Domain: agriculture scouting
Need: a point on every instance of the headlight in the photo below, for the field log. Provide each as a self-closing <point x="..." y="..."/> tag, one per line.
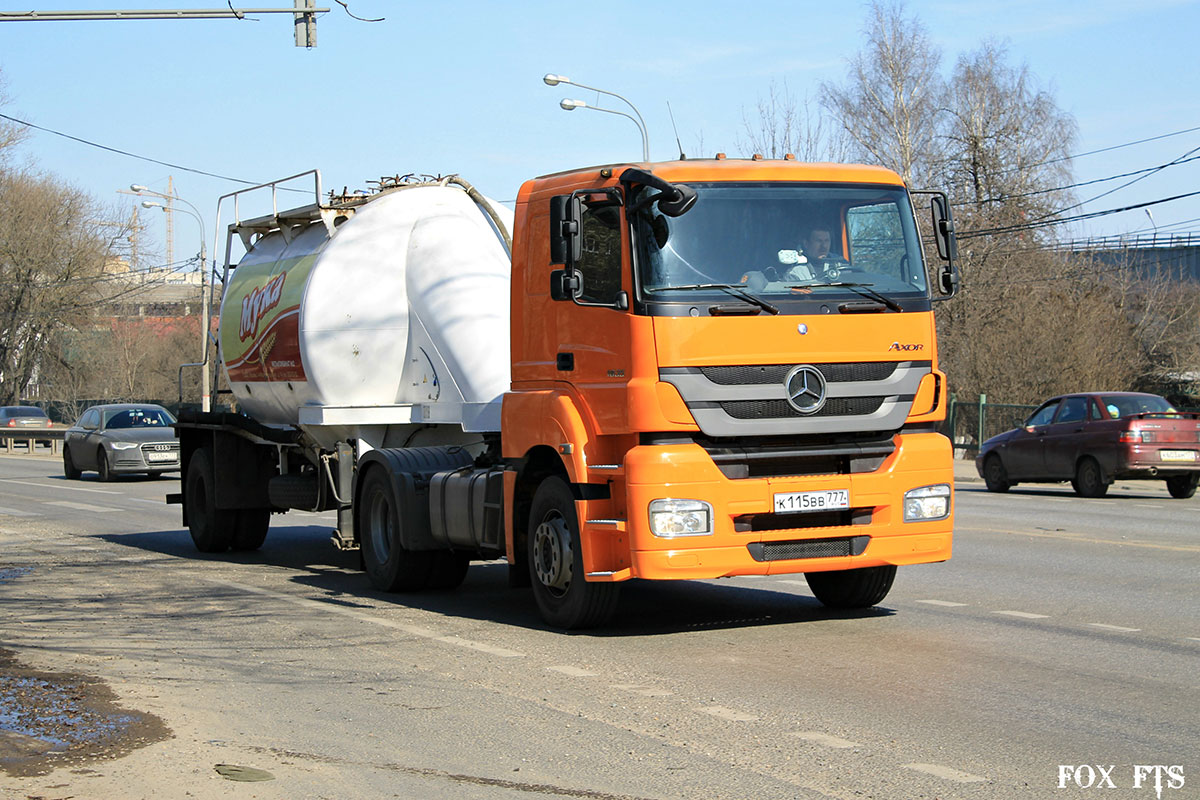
<point x="124" y="445"/>
<point x="670" y="518"/>
<point x="927" y="502"/>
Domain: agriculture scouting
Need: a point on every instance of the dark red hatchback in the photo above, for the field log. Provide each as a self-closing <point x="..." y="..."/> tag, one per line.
<point x="1092" y="439"/>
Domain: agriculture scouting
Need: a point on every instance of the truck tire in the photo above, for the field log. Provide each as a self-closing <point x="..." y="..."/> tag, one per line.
<point x="449" y="569"/>
<point x="211" y="528"/>
<point x="1182" y="487"/>
<point x="852" y="588"/>
<point x="995" y="475"/>
<point x="389" y="566"/>
<point x="250" y="528"/>
<point x="1089" y="480"/>
<point x="563" y="597"/>
<point x="71" y="471"/>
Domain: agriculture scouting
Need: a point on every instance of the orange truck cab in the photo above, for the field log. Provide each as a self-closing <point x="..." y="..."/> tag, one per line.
<point x="723" y="368"/>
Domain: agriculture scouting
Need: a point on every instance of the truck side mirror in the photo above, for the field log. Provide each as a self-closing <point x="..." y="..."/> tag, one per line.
<point x="566" y="213"/>
<point x="947" y="244"/>
<point x="564" y="284"/>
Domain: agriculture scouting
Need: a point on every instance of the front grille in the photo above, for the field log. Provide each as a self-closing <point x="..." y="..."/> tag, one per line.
<point x="808" y="548"/>
<point x="758" y="523"/>
<point x="777" y="409"/>
<point x="158" y="453"/>
<point x="776" y="373"/>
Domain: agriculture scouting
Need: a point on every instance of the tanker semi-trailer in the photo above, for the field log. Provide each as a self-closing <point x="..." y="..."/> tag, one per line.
<point x="680" y="370"/>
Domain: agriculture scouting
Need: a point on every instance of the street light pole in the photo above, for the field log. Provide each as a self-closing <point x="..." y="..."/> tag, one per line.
<point x="205" y="294"/>
<point x="551" y="79"/>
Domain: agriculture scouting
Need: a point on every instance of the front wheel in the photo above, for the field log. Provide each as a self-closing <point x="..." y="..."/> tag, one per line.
<point x="852" y="588"/>
<point x="250" y="529"/>
<point x="564" y="598"/>
<point x="995" y="475"/>
<point x="103" y="467"/>
<point x="69" y="469"/>
<point x="1089" y="480"/>
<point x="1182" y="487"/>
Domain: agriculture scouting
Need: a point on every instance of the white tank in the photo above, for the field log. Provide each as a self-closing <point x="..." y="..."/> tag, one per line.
<point x="403" y="306"/>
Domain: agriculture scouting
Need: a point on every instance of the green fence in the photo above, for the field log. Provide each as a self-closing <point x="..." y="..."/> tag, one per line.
<point x="970" y="422"/>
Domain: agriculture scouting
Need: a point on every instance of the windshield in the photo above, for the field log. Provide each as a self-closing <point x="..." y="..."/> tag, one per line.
<point x="793" y="246"/>
<point x="140" y="418"/>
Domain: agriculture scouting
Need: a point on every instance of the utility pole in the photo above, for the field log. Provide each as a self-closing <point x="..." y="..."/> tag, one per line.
<point x="304" y="13"/>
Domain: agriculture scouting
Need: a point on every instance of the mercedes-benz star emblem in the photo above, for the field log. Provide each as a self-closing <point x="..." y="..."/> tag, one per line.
<point x="805" y="386"/>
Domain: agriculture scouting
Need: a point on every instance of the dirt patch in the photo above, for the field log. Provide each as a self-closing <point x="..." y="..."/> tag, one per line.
<point x="55" y="719"/>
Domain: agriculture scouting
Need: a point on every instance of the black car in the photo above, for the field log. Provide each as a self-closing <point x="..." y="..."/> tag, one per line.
<point x="121" y="438"/>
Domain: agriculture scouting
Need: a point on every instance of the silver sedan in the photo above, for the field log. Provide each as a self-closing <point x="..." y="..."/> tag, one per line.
<point x="121" y="438"/>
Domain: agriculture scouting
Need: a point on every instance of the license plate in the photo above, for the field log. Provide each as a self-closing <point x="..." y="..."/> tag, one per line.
<point x="160" y="456"/>
<point x="824" y="500"/>
<point x="1177" y="455"/>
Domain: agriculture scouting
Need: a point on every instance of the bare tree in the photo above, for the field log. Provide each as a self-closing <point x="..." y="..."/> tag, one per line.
<point x="782" y="125"/>
<point x="53" y="253"/>
<point x="888" y="108"/>
<point x="11" y="134"/>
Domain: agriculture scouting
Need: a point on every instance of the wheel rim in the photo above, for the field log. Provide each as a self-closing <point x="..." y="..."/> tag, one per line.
<point x="1091" y="476"/>
<point x="380" y="522"/>
<point x="552" y="555"/>
<point x="995" y="471"/>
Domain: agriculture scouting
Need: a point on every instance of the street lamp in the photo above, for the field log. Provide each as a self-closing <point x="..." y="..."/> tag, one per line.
<point x="205" y="292"/>
<point x="551" y="79"/>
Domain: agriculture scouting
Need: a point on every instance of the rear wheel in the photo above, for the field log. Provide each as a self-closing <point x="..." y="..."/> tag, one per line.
<point x="250" y="528"/>
<point x="564" y="598"/>
<point x="1089" y="480"/>
<point x="852" y="588"/>
<point x="212" y="529"/>
<point x="995" y="475"/>
<point x="69" y="468"/>
<point x="1182" y="486"/>
<point x="389" y="566"/>
<point x="102" y="466"/>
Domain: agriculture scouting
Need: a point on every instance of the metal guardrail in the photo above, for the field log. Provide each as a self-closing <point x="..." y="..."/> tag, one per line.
<point x="9" y="440"/>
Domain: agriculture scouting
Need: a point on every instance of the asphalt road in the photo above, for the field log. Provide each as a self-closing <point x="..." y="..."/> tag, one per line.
<point x="1063" y="632"/>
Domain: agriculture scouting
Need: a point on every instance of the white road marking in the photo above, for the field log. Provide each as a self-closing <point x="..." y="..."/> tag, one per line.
<point x="946" y="603"/>
<point x="12" y="512"/>
<point x="574" y="672"/>
<point x="1145" y="505"/>
<point x="824" y="739"/>
<point x="413" y="630"/>
<point x="728" y="713"/>
<point x="948" y="773"/>
<point x="80" y="506"/>
<point x="161" y="503"/>
<point x="1022" y="614"/>
<point x="1113" y="627"/>
<point x="59" y="486"/>
<point x="794" y="583"/>
<point x="1194" y="638"/>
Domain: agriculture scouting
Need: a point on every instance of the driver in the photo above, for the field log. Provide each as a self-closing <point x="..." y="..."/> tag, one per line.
<point x="816" y="247"/>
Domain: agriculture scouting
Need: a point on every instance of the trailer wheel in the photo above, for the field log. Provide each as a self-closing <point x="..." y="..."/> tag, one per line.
<point x="211" y="528"/>
<point x="564" y="598"/>
<point x="1182" y="487"/>
<point x="250" y="528"/>
<point x="1089" y="480"/>
<point x="852" y="588"/>
<point x="389" y="566"/>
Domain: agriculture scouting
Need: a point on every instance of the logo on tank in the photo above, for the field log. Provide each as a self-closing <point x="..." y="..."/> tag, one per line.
<point x="257" y="304"/>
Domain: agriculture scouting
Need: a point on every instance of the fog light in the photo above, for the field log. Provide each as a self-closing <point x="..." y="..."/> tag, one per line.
<point x="927" y="502"/>
<point x="670" y="518"/>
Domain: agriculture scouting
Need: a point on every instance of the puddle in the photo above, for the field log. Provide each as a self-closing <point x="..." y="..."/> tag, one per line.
<point x="54" y="719"/>
<point x="9" y="573"/>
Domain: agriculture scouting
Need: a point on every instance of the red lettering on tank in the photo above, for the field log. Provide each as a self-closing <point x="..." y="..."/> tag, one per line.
<point x="257" y="304"/>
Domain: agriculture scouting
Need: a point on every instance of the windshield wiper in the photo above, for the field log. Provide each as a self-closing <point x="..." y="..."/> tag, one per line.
<point x="738" y="290"/>
<point x="865" y="290"/>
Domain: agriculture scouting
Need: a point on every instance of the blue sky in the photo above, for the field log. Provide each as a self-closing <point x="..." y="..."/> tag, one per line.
<point x="455" y="87"/>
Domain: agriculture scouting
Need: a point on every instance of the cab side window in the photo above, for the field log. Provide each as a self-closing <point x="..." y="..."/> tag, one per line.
<point x="600" y="264"/>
